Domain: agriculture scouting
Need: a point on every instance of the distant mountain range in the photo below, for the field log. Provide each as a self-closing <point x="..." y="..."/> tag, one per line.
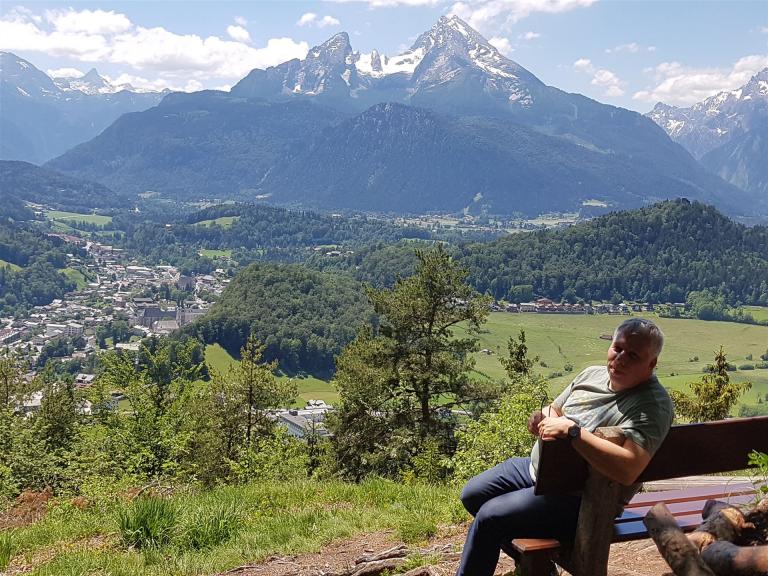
<point x="451" y="124"/>
<point x="727" y="132"/>
<point x="42" y="117"/>
<point x="22" y="182"/>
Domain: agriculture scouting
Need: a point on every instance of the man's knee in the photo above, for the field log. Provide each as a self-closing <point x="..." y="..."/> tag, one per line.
<point x="471" y="496"/>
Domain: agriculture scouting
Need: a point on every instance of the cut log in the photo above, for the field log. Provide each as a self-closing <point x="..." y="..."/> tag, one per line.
<point x="376" y="567"/>
<point x="681" y="555"/>
<point x="721" y="522"/>
<point x="728" y="559"/>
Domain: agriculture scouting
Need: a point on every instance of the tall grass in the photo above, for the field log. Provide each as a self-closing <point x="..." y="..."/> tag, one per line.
<point x="6" y="548"/>
<point x="205" y="528"/>
<point x="210" y="532"/>
<point x="148" y="523"/>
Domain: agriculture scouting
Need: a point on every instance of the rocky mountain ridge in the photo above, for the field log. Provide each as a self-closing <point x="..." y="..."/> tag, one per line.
<point x="42" y="117"/>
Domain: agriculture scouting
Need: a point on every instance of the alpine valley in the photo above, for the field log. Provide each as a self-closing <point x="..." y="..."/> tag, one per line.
<point x="449" y="125"/>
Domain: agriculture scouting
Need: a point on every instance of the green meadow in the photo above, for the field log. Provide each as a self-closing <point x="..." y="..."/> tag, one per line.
<point x="13" y="267"/>
<point x="310" y="387"/>
<point x="224" y="221"/>
<point x="77" y="277"/>
<point x="213" y="254"/>
<point x="575" y="339"/>
<point x="74" y="217"/>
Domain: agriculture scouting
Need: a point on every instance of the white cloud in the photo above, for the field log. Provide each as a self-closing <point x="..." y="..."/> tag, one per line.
<point x="681" y="85"/>
<point x="312" y="19"/>
<point x="601" y="77"/>
<point x="239" y="34"/>
<point x="632" y="48"/>
<point x="88" y="21"/>
<point x="64" y="73"/>
<point x="178" y="61"/>
<point x="501" y="14"/>
<point x="502" y="45"/>
<point x="529" y="36"/>
<point x="583" y="64"/>
<point x="382" y="3"/>
<point x="145" y="84"/>
<point x="240" y="21"/>
<point x="764" y="29"/>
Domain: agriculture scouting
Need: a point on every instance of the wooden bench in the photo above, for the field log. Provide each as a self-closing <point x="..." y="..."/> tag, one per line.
<point x="688" y="450"/>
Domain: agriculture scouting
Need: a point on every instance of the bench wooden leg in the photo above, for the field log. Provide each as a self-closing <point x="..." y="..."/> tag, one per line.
<point x="535" y="564"/>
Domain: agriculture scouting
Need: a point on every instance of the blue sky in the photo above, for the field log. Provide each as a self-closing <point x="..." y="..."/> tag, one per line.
<point x="626" y="53"/>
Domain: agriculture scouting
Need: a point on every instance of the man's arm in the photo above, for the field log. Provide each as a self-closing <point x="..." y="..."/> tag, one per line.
<point x="622" y="464"/>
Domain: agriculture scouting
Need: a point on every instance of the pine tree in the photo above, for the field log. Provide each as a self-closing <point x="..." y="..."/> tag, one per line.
<point x="713" y="396"/>
<point x="400" y="383"/>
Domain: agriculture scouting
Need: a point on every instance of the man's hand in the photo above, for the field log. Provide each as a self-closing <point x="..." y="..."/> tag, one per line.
<point x="533" y="422"/>
<point x="552" y="428"/>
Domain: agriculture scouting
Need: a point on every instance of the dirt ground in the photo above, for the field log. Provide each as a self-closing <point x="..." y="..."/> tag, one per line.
<point x="627" y="559"/>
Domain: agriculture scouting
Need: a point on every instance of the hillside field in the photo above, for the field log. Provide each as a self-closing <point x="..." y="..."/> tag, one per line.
<point x="573" y="338"/>
<point x="310" y="388"/>
<point x="97" y="219"/>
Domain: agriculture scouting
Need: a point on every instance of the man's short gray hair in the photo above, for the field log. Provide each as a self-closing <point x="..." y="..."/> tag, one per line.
<point x="646" y="330"/>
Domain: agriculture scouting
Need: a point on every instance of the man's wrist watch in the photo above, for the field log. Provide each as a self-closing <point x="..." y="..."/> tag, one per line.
<point x="574" y="432"/>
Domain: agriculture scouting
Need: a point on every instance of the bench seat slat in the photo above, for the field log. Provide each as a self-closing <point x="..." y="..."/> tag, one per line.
<point x="636" y="530"/>
<point x="680" y="508"/>
<point x="717" y="492"/>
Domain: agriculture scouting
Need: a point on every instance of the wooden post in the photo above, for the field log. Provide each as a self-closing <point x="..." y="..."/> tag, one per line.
<point x="600" y="503"/>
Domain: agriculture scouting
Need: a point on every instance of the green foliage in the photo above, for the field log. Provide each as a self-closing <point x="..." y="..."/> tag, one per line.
<point x="150" y="522"/>
<point x="278" y="456"/>
<point x="500" y="434"/>
<point x="760" y="461"/>
<point x="517" y="363"/>
<point x="399" y="383"/>
<point x="713" y="396"/>
<point x="659" y="253"/>
<point x="302" y="317"/>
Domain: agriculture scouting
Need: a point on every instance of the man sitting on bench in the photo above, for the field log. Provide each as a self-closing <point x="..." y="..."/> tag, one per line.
<point x="624" y="393"/>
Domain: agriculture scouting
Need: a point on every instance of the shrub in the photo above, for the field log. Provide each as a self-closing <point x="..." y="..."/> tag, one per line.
<point x="149" y="522"/>
<point x="498" y="435"/>
<point x="205" y="528"/>
<point x="761" y="365"/>
<point x="568" y="367"/>
<point x="746" y="367"/>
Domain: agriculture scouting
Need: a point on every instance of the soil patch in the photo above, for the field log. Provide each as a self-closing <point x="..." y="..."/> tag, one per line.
<point x="638" y="558"/>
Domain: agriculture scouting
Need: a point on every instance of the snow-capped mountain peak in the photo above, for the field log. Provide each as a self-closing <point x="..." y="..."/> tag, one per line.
<point x="714" y="121"/>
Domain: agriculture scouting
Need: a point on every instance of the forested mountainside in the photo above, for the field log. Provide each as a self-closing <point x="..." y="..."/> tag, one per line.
<point x="303" y="317"/>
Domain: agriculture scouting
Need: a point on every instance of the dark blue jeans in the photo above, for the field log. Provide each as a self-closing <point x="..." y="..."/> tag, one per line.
<point x="504" y="506"/>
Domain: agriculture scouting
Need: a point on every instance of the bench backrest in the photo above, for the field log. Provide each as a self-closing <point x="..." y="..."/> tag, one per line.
<point x="689" y="449"/>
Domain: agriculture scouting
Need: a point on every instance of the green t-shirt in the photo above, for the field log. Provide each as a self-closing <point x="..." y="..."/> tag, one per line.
<point x="644" y="413"/>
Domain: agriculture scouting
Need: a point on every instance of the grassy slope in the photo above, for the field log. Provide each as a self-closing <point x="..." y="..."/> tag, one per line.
<point x="274" y="518"/>
<point x="11" y="265"/>
<point x="310" y="388"/>
<point x="558" y="339"/>
<point x="77" y="217"/>
<point x="224" y="221"/>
